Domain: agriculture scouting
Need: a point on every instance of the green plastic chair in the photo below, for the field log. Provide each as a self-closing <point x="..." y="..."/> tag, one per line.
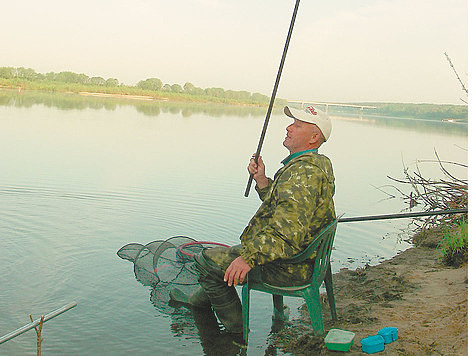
<point x="323" y="244"/>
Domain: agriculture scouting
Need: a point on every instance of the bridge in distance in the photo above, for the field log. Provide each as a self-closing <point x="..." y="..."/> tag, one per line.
<point x="327" y="105"/>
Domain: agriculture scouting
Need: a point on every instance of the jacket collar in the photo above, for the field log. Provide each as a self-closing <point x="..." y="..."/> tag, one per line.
<point x="296" y="154"/>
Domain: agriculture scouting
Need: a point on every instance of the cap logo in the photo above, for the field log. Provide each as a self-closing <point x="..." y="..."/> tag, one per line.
<point x="311" y="110"/>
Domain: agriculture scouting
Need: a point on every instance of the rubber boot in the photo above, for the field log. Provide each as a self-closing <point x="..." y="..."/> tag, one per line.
<point x="213" y="341"/>
<point x="198" y="299"/>
<point x="228" y="309"/>
<point x="206" y="322"/>
<point x="224" y="299"/>
<point x="230" y="314"/>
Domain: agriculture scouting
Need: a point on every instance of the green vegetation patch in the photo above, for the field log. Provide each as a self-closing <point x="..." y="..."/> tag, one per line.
<point x="454" y="244"/>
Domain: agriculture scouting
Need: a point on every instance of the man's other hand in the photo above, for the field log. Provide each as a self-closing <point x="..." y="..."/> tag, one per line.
<point x="236" y="272"/>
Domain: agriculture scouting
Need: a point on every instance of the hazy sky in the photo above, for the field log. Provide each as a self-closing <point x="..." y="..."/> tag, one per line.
<point x="341" y="50"/>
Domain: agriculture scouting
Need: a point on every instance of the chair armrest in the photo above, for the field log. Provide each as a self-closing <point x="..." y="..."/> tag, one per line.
<point x="254" y="275"/>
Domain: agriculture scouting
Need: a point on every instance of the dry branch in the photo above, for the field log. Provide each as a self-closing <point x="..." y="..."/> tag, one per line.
<point x="442" y="194"/>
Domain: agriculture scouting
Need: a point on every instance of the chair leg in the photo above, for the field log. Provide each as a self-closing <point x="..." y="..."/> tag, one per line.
<point x="312" y="298"/>
<point x="329" y="287"/>
<point x="278" y="307"/>
<point x="245" y="313"/>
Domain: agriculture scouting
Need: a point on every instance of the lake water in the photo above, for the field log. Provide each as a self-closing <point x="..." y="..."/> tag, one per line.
<point x="81" y="177"/>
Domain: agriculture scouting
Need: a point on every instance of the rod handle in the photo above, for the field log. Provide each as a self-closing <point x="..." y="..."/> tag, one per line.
<point x="248" y="188"/>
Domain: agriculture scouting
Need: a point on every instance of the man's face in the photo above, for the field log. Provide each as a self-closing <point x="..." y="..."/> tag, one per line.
<point x="301" y="136"/>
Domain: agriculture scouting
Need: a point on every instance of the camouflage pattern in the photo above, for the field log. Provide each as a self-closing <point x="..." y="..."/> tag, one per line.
<point x="296" y="206"/>
<point x="223" y="256"/>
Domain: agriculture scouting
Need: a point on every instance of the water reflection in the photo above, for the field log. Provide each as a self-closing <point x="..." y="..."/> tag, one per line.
<point x="213" y="340"/>
<point x="409" y="123"/>
<point x="70" y="101"/>
<point x="198" y="323"/>
<point x="152" y="108"/>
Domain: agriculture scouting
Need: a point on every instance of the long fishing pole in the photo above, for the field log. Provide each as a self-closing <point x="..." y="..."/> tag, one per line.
<point x="271" y="103"/>
<point x="403" y="215"/>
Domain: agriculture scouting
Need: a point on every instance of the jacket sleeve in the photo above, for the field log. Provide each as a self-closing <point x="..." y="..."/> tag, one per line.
<point x="262" y="192"/>
<point x="281" y="232"/>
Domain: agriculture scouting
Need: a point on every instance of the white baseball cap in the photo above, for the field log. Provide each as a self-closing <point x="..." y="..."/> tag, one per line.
<point x="313" y="116"/>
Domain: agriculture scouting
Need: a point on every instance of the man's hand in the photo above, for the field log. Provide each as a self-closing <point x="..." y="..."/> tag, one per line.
<point x="258" y="171"/>
<point x="236" y="272"/>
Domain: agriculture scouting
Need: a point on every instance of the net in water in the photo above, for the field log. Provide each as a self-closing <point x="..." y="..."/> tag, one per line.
<point x="163" y="265"/>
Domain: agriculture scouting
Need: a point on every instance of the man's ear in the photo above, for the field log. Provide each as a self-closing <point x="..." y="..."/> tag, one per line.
<point x="316" y="136"/>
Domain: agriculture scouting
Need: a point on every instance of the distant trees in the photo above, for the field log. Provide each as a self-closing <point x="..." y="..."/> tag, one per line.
<point x="112" y="82"/>
<point x="7" y="72"/>
<point x="189" y="88"/>
<point x="215" y="92"/>
<point x="257" y="97"/>
<point x="411" y="110"/>
<point x="80" y="82"/>
<point x="70" y="81"/>
<point x="176" y="88"/>
<point x="71" y="77"/>
<point x="423" y="111"/>
<point x="238" y="95"/>
<point x="150" y="84"/>
<point x="61" y="77"/>
<point x="20" y="72"/>
<point x="97" y="81"/>
<point x="26" y="73"/>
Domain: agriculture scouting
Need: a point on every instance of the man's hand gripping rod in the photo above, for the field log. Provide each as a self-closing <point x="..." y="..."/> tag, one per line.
<point x="271" y="103"/>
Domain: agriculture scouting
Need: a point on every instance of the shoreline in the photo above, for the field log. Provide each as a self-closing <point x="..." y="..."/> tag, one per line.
<point x="413" y="291"/>
<point x="158" y="96"/>
<point x="121" y="96"/>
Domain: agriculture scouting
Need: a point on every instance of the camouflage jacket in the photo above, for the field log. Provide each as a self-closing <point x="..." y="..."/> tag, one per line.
<point x="296" y="205"/>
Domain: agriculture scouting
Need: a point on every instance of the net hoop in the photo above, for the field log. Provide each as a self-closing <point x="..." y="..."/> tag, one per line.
<point x="182" y="248"/>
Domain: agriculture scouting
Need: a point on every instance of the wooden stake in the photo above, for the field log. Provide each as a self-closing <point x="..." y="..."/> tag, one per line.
<point x="38" y="334"/>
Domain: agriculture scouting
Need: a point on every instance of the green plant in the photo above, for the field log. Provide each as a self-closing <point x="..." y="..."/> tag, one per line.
<point x="454" y="244"/>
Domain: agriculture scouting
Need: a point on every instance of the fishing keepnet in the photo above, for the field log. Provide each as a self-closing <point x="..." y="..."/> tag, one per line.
<point x="164" y="265"/>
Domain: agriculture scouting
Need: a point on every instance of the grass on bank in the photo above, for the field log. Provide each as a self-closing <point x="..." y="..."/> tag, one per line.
<point x="454" y="244"/>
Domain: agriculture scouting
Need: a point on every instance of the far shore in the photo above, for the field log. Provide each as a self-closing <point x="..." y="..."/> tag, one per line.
<point x="124" y="96"/>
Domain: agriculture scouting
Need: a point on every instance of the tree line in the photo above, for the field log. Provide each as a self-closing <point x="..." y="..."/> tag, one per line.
<point x="424" y="111"/>
<point x="67" y="80"/>
<point x="419" y="111"/>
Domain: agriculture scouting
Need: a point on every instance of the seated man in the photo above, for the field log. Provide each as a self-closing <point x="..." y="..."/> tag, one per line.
<point x="296" y="205"/>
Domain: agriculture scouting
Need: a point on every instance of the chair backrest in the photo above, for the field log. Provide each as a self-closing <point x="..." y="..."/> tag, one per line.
<point x="323" y="244"/>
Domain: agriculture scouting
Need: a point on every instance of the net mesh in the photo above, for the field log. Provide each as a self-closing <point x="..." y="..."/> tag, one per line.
<point x="165" y="264"/>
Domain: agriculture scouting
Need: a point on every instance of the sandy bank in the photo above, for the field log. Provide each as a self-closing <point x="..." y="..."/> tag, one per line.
<point x="122" y="96"/>
<point x="425" y="300"/>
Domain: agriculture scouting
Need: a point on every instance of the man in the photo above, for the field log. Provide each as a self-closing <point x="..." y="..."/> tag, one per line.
<point x="296" y="205"/>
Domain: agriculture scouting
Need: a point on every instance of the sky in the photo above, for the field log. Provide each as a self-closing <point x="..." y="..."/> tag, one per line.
<point x="340" y="51"/>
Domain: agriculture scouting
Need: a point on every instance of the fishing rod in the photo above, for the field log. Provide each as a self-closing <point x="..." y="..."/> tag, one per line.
<point x="403" y="215"/>
<point x="274" y="91"/>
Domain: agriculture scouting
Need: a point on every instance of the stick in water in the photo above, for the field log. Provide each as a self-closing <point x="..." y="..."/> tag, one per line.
<point x="35" y="323"/>
<point x="271" y="103"/>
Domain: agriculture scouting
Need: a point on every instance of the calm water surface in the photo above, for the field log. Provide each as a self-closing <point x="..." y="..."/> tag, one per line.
<point x="81" y="177"/>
